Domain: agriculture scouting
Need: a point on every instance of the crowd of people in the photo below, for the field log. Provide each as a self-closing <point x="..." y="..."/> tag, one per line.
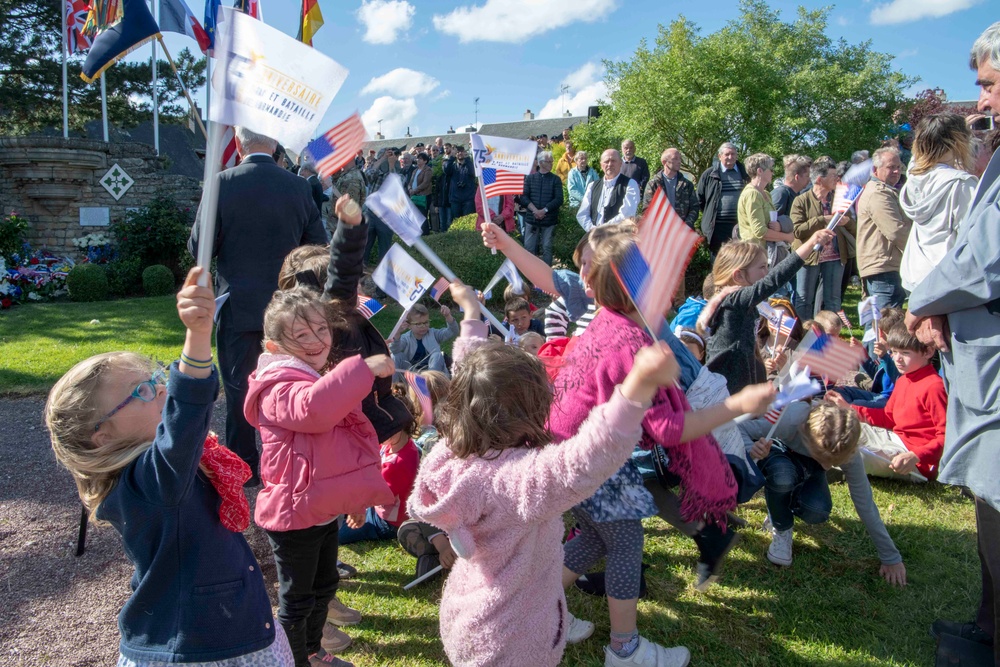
<point x="470" y="460"/>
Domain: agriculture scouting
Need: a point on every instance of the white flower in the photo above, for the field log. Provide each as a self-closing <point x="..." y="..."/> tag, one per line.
<point x="35" y="296"/>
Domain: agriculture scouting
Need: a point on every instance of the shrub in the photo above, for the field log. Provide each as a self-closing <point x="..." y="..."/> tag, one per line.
<point x="12" y="230"/>
<point x="467" y="223"/>
<point x="125" y="275"/>
<point x="87" y="282"/>
<point x="157" y="280"/>
<point x="155" y="234"/>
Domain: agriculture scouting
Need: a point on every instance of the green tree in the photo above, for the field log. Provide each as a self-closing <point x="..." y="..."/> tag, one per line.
<point x="764" y="84"/>
<point x="31" y="77"/>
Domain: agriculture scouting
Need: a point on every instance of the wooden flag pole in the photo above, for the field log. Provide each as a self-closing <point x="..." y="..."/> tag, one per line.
<point x="194" y="109"/>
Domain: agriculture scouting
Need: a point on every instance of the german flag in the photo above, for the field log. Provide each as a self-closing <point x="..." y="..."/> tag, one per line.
<point x="311" y="21"/>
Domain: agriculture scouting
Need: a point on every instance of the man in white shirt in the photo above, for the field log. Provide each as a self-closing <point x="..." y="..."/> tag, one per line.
<point x="611" y="199"/>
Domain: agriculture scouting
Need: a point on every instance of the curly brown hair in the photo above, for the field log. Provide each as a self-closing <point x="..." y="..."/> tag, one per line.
<point x="499" y="399"/>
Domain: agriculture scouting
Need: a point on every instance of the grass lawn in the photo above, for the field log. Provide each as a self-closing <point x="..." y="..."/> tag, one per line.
<point x="830" y="608"/>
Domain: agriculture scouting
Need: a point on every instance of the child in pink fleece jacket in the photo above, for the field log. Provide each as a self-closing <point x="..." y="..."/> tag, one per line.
<point x="499" y="487"/>
<point x="320" y="459"/>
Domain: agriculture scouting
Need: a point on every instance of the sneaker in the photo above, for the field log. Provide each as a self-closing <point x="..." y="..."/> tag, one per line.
<point x="767" y="524"/>
<point x="577" y="629"/>
<point x="426" y="563"/>
<point x="334" y="641"/>
<point x="324" y="659"/>
<point x="341" y="615"/>
<point x="967" y="631"/>
<point x="780" y="551"/>
<point x="346" y="571"/>
<point x="412" y="539"/>
<point x="593" y="583"/>
<point x="713" y="545"/>
<point x="835" y="476"/>
<point x="573" y="532"/>
<point x="648" y="654"/>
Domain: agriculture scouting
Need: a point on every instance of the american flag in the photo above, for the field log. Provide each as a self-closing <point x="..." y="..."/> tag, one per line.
<point x="501" y="182"/>
<point x="419" y="385"/>
<point x="652" y="270"/>
<point x="786" y="326"/>
<point x="773" y="415"/>
<point x="843" y="318"/>
<point x="828" y="356"/>
<point x="369" y="307"/>
<point x="337" y="147"/>
<point x="439" y="288"/>
<point x="845" y="196"/>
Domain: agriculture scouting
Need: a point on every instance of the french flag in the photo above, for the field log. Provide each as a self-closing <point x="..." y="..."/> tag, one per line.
<point x="176" y="16"/>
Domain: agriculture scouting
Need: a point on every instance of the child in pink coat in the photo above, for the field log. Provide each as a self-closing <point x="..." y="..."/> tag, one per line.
<point x="498" y="487"/>
<point x="320" y="459"/>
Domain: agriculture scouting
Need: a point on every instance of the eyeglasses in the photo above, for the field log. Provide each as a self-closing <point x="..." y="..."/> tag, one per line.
<point x="145" y="392"/>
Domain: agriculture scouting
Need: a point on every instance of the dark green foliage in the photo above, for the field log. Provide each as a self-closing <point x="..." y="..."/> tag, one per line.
<point x="87" y="282"/>
<point x="157" y="280"/>
<point x="156" y="234"/>
<point x="12" y="228"/>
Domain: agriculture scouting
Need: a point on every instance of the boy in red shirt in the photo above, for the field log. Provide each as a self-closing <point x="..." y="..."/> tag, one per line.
<point x="904" y="440"/>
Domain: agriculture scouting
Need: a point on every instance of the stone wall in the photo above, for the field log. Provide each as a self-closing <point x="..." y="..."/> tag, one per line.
<point x="47" y="180"/>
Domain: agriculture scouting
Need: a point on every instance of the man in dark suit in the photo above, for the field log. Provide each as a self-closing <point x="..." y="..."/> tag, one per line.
<point x="264" y="213"/>
<point x="634" y="167"/>
<point x="308" y="172"/>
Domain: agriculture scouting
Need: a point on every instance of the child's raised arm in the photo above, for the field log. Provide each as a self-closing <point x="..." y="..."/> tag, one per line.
<point x="534" y="268"/>
<point x="196" y="308"/>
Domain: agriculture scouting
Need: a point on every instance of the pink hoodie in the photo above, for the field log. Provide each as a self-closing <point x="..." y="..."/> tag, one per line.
<point x="503" y="602"/>
<point x="320" y="453"/>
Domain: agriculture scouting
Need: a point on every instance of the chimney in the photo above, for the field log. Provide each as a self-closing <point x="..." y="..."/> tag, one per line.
<point x="568" y="114"/>
<point x="528" y="115"/>
<point x="408" y="135"/>
<point x="378" y="136"/>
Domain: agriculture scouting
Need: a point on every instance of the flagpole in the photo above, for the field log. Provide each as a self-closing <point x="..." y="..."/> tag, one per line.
<point x="156" y="97"/>
<point x="774" y="427"/>
<point x="104" y="105"/>
<point x="209" y="200"/>
<point x="486" y="206"/>
<point x="187" y="94"/>
<point x="65" y="88"/>
<point x="208" y="84"/>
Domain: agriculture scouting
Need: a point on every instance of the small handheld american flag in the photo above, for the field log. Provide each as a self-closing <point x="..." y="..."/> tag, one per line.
<point x="369" y="307"/>
<point x="439" y="288"/>
<point x="501" y="182"/>
<point x="338" y="146"/>
<point x="828" y="356"/>
<point x="653" y="268"/>
<point x="419" y="385"/>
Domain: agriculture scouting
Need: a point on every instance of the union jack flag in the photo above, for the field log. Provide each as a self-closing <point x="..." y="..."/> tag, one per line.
<point x="76" y="19"/>
<point x="419" y="385"/>
<point x="369" y="307"/>
<point x="501" y="182"/>
<point x="338" y="146"/>
<point x="651" y="270"/>
<point x="828" y="356"/>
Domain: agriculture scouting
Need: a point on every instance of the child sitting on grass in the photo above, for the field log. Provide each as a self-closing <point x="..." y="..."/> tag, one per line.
<point x="905" y="439"/>
<point x="531" y="342"/>
<point x="876" y="382"/>
<point x="808" y="441"/>
<point x="829" y="322"/>
<point x="420" y="347"/>
<point x="518" y="313"/>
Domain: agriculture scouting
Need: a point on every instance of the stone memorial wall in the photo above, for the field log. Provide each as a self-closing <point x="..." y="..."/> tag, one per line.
<point x="67" y="188"/>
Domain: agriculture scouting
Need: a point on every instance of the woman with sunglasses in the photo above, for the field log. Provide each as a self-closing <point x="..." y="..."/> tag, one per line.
<point x="144" y="460"/>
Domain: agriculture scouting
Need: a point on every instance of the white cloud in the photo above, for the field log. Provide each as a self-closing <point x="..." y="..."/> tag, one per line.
<point x="396" y="115"/>
<point x="904" y="11"/>
<point x="586" y="88"/>
<point x="440" y="96"/>
<point x="402" y="82"/>
<point x="518" y="20"/>
<point x="907" y="53"/>
<point x="843" y="21"/>
<point x="385" y="20"/>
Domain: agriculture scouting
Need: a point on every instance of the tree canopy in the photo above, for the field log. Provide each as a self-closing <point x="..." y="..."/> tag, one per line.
<point x="31" y="77"/>
<point x="764" y="84"/>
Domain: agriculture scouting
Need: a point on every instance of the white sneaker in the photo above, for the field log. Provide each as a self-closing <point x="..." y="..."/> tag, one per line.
<point x="649" y="654"/>
<point x="767" y="524"/>
<point x="577" y="629"/>
<point x="780" y="551"/>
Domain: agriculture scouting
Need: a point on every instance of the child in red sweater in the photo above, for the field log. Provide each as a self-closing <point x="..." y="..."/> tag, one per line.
<point x="904" y="440"/>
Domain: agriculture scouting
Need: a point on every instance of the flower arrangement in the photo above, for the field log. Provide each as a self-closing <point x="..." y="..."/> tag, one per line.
<point x="32" y="276"/>
<point x="96" y="246"/>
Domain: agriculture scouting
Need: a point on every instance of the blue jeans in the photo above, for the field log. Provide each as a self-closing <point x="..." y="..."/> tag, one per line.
<point x="532" y="234"/>
<point x="857" y="396"/>
<point x="887" y="288"/>
<point x="795" y="486"/>
<point x="808" y="277"/>
<point x="462" y="207"/>
<point x="444" y="215"/>
<point x="378" y="232"/>
<point x="374" y="529"/>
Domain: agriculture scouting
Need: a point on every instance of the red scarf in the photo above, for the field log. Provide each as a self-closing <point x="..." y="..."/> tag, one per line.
<point x="229" y="472"/>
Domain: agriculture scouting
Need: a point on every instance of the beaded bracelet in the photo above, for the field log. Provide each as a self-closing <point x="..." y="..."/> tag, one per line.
<point x="195" y="363"/>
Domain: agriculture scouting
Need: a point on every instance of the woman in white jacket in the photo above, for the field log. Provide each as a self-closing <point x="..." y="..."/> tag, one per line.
<point x="938" y="192"/>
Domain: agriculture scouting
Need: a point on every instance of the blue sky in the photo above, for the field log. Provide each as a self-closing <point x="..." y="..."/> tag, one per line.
<point x="419" y="64"/>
